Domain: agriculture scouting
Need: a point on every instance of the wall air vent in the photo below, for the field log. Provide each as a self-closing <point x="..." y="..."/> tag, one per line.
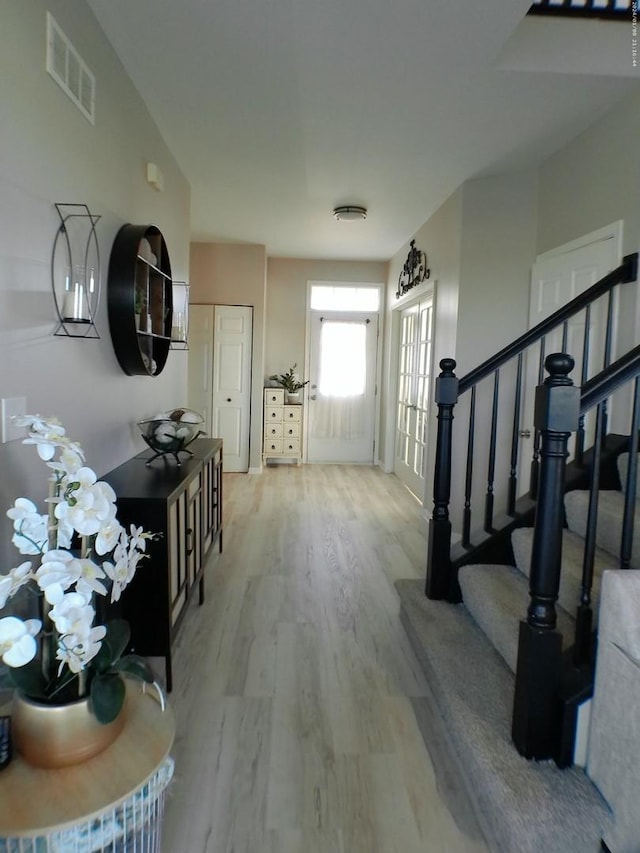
<point x="70" y="72"/>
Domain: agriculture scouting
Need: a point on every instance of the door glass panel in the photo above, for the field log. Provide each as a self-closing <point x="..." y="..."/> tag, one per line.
<point x="343" y="359"/>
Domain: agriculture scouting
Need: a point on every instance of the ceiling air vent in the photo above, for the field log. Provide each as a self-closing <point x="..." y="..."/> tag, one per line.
<point x="67" y="68"/>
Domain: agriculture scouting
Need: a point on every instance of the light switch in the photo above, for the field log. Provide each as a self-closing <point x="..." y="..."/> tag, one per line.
<point x="12" y="406"/>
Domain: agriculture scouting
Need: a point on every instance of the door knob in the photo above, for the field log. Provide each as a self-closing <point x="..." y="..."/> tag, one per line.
<point x="525" y="433"/>
<point x="312" y="396"/>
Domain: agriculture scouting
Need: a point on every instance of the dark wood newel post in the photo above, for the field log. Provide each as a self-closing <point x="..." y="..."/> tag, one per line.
<point x="439" y="546"/>
<point x="535" y="722"/>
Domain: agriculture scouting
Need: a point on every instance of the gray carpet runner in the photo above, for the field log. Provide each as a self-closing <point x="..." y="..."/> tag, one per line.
<point x="469" y="653"/>
<point x="498" y="597"/>
<point x="527" y="807"/>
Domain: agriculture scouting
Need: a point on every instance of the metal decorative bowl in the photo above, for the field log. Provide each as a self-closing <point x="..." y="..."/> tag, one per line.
<point x="170" y="433"/>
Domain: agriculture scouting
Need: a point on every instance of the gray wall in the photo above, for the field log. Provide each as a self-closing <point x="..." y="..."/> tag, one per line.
<point x="50" y="153"/>
<point x="480" y="246"/>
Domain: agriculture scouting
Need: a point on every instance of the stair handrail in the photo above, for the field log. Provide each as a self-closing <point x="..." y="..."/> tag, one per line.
<point x="609" y="380"/>
<point x="626" y="272"/>
<point x="439" y="582"/>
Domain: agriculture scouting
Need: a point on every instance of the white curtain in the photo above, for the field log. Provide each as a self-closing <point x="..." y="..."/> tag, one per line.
<point x="339" y="407"/>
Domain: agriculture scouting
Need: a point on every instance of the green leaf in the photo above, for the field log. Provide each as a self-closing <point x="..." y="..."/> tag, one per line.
<point x="107" y="696"/>
<point x="136" y="666"/>
<point x="117" y="637"/>
<point x="115" y="642"/>
<point x="102" y="660"/>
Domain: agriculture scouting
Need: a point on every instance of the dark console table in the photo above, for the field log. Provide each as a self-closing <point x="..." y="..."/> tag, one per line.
<point x="184" y="504"/>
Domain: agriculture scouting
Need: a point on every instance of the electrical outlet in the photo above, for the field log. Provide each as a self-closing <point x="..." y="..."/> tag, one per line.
<point x="12" y="406"/>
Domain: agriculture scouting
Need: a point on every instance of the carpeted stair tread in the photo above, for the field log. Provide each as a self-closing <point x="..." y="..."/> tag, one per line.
<point x="497" y="597"/>
<point x="529" y="807"/>
<point x="609" y="528"/>
<point x="572" y="557"/>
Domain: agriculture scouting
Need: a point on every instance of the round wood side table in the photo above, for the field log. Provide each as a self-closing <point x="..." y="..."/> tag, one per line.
<point x="113" y="802"/>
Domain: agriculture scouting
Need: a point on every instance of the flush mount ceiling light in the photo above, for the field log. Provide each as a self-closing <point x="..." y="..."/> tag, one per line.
<point x="350" y="213"/>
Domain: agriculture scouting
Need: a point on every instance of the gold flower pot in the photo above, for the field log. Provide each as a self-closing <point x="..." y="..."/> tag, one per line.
<point x="60" y="735"/>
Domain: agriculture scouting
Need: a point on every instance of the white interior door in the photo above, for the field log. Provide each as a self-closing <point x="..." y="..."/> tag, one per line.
<point x="414" y="393"/>
<point x="219" y="376"/>
<point x="556" y="278"/>
<point x="231" y="397"/>
<point x="342" y="391"/>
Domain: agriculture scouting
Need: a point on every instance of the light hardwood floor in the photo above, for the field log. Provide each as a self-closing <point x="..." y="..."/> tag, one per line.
<point x="296" y="692"/>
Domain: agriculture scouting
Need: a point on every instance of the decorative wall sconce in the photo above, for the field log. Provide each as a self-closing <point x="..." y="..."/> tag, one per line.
<point x="180" y="319"/>
<point x="75" y="271"/>
<point x="414" y="271"/>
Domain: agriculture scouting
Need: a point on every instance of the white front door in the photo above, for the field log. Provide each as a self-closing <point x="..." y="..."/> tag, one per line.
<point x="414" y="393"/>
<point x="342" y="391"/>
<point x="556" y="278"/>
<point x="219" y="377"/>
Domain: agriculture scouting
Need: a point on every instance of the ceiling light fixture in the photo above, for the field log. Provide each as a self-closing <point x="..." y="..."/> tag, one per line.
<point x="350" y="213"/>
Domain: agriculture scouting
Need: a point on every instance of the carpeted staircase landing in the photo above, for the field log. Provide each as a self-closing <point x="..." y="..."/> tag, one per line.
<point x="524" y="807"/>
<point x="468" y="652"/>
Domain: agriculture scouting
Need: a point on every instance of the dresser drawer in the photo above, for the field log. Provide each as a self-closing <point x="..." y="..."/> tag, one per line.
<point x="290" y="430"/>
<point x="292" y="413"/>
<point x="274" y="430"/>
<point x="273" y="445"/>
<point x="291" y="447"/>
<point x="273" y="413"/>
<point x="274" y="396"/>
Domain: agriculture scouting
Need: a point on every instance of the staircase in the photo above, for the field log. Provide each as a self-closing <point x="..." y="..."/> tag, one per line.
<point x="506" y="633"/>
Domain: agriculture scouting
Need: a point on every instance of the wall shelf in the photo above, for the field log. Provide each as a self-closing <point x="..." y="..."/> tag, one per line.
<point x="140" y="300"/>
<point x="75" y="272"/>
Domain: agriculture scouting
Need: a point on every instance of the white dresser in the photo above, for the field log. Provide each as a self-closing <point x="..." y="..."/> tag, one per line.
<point x="282" y="427"/>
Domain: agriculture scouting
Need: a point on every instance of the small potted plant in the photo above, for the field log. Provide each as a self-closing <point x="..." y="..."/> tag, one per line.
<point x="291" y="383"/>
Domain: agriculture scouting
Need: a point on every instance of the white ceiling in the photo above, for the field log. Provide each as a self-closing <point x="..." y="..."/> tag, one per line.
<point x="279" y="110"/>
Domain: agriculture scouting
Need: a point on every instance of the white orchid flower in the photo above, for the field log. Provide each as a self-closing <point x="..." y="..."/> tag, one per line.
<point x="70" y="460"/>
<point x="17" y="640"/>
<point x="78" y="503"/>
<point x="88" y="582"/>
<point x="108" y="536"/>
<point x="76" y="650"/>
<point x="134" y="558"/>
<point x="72" y="614"/>
<point x="30" y="527"/>
<point x="65" y="533"/>
<point x="57" y="572"/>
<point x="47" y="435"/>
<point x="60" y="570"/>
<point x="118" y="573"/>
<point x="11" y="583"/>
<point x="37" y="425"/>
<point x="138" y="538"/>
<point x="90" y="505"/>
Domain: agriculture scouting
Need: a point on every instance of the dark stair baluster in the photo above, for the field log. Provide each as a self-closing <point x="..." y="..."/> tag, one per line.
<point x="491" y="472"/>
<point x="468" y="480"/>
